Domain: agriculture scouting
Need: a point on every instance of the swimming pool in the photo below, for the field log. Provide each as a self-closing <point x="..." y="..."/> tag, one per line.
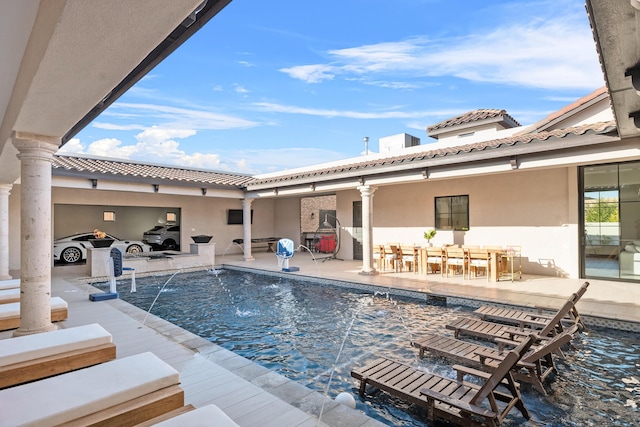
<point x="297" y="329"/>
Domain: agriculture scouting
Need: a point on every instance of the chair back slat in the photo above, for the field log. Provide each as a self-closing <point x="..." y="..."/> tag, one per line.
<point x="503" y="369"/>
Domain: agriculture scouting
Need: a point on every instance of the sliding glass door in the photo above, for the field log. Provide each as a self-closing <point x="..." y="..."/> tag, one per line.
<point x="611" y="221"/>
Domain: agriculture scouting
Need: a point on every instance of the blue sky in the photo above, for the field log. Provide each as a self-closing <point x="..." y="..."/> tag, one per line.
<point x="268" y="86"/>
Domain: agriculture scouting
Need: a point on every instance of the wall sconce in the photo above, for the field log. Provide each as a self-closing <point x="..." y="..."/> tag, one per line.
<point x="108" y="216"/>
<point x="513" y="161"/>
<point x="156" y="187"/>
<point x="94" y="183"/>
<point x="313" y="215"/>
<point x="204" y="191"/>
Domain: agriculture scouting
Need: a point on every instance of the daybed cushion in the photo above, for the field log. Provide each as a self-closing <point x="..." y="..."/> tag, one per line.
<point x="9" y="284"/>
<point x="28" y="347"/>
<point x="205" y="416"/>
<point x="13" y="309"/>
<point x="63" y="398"/>
<point x="9" y="295"/>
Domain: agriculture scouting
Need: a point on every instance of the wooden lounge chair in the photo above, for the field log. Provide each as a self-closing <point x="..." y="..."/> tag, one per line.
<point x="547" y="327"/>
<point x="123" y="392"/>
<point x="454" y="400"/>
<point x="527" y="317"/>
<point x="10" y="313"/>
<point x="33" y="357"/>
<point x="534" y="367"/>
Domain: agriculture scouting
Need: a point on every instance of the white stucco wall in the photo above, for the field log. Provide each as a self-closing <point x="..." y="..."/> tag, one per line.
<point x="537" y="210"/>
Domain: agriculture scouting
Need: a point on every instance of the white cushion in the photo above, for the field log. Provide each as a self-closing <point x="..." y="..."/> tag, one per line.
<point x="636" y="242"/>
<point x="30" y="347"/>
<point x="630" y="248"/>
<point x="9" y="284"/>
<point x="60" y="399"/>
<point x="13" y="309"/>
<point x="205" y="416"/>
<point x="9" y="294"/>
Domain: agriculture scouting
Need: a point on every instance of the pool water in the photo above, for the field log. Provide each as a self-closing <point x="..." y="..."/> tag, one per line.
<point x="297" y="329"/>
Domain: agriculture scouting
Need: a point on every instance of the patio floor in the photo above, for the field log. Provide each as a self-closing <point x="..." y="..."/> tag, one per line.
<point x="254" y="396"/>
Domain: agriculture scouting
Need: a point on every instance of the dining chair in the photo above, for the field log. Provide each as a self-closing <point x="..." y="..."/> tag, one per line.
<point x="408" y="256"/>
<point x="378" y="256"/>
<point x="456" y="258"/>
<point x="390" y="256"/>
<point x="479" y="259"/>
<point x="436" y="259"/>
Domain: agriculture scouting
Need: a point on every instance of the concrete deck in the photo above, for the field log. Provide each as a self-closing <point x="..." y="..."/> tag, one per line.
<point x="254" y="396"/>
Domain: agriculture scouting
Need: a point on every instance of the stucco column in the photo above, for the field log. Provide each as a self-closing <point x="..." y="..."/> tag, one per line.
<point x="246" y="229"/>
<point x="5" y="190"/>
<point x="366" y="192"/>
<point x="36" y="154"/>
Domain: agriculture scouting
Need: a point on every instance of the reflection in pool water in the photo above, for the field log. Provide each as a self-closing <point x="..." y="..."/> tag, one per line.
<point x="296" y="329"/>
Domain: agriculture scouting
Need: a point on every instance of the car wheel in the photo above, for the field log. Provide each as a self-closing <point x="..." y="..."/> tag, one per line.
<point x="71" y="254"/>
<point x="169" y="244"/>
<point x="134" y="249"/>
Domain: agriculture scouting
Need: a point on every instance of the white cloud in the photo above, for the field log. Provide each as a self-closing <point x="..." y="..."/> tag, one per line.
<point x="311" y="73"/>
<point x="110" y="147"/>
<point x="73" y="146"/>
<point x="113" y="126"/>
<point x="553" y="53"/>
<point x="241" y="89"/>
<point x="170" y="117"/>
<point x="291" y="109"/>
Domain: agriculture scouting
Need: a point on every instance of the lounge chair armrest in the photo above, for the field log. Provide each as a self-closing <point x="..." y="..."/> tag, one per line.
<point x="503" y="342"/>
<point x="467" y="407"/>
<point x="489" y="354"/>
<point x="545" y="312"/>
<point x="514" y="330"/>
<point x="470" y="371"/>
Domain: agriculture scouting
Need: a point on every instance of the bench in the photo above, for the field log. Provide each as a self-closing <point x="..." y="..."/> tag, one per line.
<point x="263" y="242"/>
<point x="123" y="392"/>
<point x="33" y="357"/>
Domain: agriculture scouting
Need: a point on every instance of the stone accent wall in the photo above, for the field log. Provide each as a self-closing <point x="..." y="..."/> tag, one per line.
<point x="311" y="206"/>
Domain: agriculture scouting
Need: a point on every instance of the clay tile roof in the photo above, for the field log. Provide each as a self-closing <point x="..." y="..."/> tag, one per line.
<point x="598" y="128"/>
<point x="472" y="116"/>
<point x="567" y="110"/>
<point x="148" y="171"/>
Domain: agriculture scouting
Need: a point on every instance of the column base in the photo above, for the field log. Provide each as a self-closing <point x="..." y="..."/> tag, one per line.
<point x="248" y="258"/>
<point x="22" y="332"/>
<point x="372" y="272"/>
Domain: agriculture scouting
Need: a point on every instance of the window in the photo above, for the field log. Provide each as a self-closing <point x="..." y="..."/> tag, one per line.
<point x="452" y="213"/>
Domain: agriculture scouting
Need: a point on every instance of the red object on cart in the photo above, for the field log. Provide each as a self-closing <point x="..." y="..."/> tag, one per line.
<point x="326" y="244"/>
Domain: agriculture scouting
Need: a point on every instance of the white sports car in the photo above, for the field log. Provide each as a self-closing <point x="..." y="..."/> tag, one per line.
<point x="74" y="248"/>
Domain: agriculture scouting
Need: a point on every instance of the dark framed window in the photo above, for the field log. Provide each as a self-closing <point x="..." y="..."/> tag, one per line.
<point x="452" y="213"/>
<point x="236" y="216"/>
